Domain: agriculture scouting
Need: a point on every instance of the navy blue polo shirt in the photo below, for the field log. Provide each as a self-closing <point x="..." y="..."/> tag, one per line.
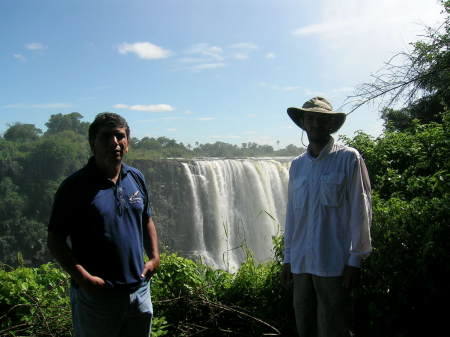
<point x="106" y="222"/>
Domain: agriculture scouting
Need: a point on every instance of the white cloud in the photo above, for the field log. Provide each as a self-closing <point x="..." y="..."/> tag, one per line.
<point x="251" y="132"/>
<point x="205" y="50"/>
<point x="148" y="108"/>
<point x="226" y="137"/>
<point x="343" y="90"/>
<point x="290" y="88"/>
<point x="20" y="57"/>
<point x="171" y="130"/>
<point x="205" y="66"/>
<point x="251" y="115"/>
<point x="35" y="46"/>
<point x="192" y="59"/>
<point x="244" y="45"/>
<point x="362" y="35"/>
<point x="336" y="27"/>
<point x="144" y="50"/>
<point x="205" y="118"/>
<point x="356" y="18"/>
<point x="38" y="106"/>
<point x="243" y="50"/>
<point x="313" y="93"/>
<point x="280" y="88"/>
<point x="204" y="56"/>
<point x="270" y="56"/>
<point x="240" y="56"/>
<point x="154" y="120"/>
<point x="188" y="112"/>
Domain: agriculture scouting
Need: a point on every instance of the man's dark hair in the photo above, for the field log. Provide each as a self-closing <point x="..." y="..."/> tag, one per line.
<point x="108" y="119"/>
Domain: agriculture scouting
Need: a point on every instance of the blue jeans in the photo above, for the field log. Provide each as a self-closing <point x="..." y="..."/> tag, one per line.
<point x="112" y="313"/>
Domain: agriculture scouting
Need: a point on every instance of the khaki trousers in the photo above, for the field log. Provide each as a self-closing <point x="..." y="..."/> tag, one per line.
<point x="323" y="307"/>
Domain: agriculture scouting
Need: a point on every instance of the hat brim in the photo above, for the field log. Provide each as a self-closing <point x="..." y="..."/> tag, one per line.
<point x="296" y="115"/>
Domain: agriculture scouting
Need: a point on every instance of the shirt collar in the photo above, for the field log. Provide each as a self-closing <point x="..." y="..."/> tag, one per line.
<point x="95" y="172"/>
<point x="325" y="151"/>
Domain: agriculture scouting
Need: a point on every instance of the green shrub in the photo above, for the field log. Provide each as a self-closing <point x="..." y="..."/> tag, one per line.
<point x="34" y="302"/>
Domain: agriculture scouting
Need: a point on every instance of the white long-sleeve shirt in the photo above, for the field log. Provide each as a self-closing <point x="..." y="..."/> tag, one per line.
<point x="329" y="212"/>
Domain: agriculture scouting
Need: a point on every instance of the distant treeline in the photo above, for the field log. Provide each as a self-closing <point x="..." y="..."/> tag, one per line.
<point x="70" y="125"/>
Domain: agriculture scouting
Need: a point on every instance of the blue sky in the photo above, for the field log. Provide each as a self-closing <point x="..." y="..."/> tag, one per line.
<point x="199" y="70"/>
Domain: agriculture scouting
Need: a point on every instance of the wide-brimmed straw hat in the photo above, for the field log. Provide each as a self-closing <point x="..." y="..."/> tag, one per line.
<point x="317" y="105"/>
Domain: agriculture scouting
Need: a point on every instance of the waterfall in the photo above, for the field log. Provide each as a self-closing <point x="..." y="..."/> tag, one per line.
<point x="232" y="205"/>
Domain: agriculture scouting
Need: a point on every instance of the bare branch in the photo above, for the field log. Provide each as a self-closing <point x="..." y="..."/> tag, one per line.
<point x="407" y="77"/>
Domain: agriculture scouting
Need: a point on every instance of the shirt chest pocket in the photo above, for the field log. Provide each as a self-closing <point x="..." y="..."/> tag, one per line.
<point x="300" y="195"/>
<point x="332" y="189"/>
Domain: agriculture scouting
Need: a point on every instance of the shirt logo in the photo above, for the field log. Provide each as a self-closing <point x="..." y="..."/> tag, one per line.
<point x="135" y="197"/>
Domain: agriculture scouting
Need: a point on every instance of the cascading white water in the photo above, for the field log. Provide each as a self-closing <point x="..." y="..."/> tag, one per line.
<point x="235" y="204"/>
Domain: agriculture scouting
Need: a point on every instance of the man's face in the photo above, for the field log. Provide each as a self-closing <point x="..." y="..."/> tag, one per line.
<point x="317" y="126"/>
<point x="110" y="145"/>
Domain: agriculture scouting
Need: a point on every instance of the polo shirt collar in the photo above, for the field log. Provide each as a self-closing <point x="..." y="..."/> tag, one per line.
<point x="95" y="172"/>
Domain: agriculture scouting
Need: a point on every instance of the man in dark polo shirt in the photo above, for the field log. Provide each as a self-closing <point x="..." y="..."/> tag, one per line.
<point x="100" y="226"/>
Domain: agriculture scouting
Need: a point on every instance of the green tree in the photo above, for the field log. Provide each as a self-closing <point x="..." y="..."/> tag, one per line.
<point x="18" y="234"/>
<point x="11" y="200"/>
<point x="69" y="122"/>
<point x="56" y="156"/>
<point x="49" y="161"/>
<point x="19" y="132"/>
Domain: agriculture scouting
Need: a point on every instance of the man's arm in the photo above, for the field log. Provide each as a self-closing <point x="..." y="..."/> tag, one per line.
<point x="360" y="221"/>
<point x="151" y="248"/>
<point x="61" y="252"/>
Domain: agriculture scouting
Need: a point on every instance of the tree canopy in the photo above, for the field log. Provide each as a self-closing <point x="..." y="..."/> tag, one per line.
<point x="19" y="132"/>
<point x="69" y="122"/>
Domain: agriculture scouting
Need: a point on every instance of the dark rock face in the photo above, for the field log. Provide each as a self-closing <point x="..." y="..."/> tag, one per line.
<point x="170" y="193"/>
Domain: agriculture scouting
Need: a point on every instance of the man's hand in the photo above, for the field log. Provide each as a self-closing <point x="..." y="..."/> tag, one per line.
<point x="150" y="268"/>
<point x="286" y="275"/>
<point x="58" y="248"/>
<point x="351" y="277"/>
<point x="95" y="281"/>
<point x="87" y="281"/>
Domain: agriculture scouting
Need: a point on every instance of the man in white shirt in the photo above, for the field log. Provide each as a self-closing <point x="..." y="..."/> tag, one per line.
<point x="327" y="229"/>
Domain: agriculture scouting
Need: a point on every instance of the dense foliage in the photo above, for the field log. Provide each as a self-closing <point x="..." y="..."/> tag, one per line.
<point x="405" y="279"/>
<point x="189" y="299"/>
<point x="34" y="302"/>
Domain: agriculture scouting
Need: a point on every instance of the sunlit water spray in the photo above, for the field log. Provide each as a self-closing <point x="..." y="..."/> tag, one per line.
<point x="234" y="203"/>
